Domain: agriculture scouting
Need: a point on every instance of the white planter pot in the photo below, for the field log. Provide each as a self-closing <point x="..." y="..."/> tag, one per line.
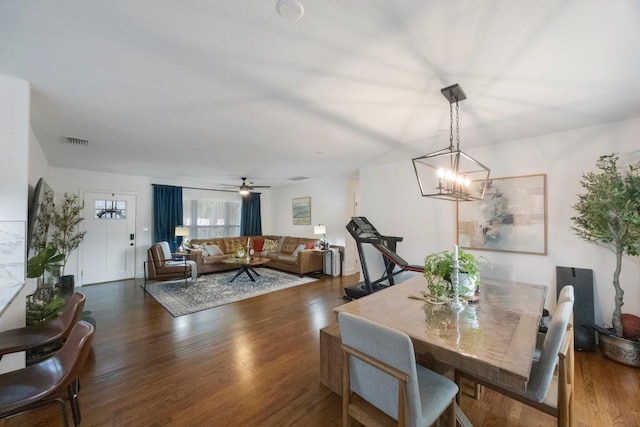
<point x="467" y="284"/>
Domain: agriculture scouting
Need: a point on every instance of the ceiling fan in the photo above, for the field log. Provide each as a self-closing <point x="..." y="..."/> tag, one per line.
<point x="246" y="187"/>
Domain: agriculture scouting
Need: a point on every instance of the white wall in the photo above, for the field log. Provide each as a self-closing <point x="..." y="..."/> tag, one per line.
<point x="429" y="225"/>
<point x="77" y="181"/>
<point x="331" y="205"/>
<point x="14" y="186"/>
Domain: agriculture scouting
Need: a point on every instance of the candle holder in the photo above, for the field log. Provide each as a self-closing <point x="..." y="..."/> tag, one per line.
<point x="455" y="281"/>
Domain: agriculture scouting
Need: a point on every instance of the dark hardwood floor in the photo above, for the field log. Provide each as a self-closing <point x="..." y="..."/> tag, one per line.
<point x="256" y="363"/>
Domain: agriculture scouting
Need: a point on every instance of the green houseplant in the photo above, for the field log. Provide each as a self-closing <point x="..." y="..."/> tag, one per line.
<point x="65" y="220"/>
<point x="43" y="304"/>
<point x="609" y="215"/>
<point x="438" y="268"/>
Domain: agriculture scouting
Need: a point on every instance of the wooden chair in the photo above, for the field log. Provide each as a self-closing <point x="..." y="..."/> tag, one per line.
<point x="31" y="337"/>
<point x="42" y="383"/>
<point x="383" y="385"/>
<point x="552" y="394"/>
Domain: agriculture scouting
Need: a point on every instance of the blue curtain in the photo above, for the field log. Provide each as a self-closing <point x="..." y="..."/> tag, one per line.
<point x="167" y="213"/>
<point x="250" y="219"/>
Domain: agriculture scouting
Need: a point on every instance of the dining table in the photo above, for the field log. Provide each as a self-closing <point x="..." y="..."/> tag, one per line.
<point x="492" y="338"/>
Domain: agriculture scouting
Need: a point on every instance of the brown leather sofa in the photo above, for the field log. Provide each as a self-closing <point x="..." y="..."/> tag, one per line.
<point x="284" y="257"/>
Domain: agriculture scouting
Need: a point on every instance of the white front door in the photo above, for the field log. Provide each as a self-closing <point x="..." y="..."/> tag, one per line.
<point x="108" y="248"/>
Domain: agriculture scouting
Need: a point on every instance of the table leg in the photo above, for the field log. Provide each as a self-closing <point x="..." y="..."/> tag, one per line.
<point x="242" y="269"/>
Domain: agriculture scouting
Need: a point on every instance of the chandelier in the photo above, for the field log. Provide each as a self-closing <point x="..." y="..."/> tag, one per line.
<point x="450" y="174"/>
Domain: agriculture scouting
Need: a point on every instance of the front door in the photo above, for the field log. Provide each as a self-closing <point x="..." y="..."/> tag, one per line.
<point x="108" y="248"/>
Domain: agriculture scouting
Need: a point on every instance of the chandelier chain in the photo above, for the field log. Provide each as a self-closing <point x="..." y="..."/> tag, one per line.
<point x="450" y="125"/>
<point x="457" y="125"/>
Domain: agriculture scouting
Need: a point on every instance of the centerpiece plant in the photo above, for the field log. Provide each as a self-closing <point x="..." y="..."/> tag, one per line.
<point x="609" y="215"/>
<point x="438" y="269"/>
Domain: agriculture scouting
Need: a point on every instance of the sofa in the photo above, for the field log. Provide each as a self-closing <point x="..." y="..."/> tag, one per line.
<point x="286" y="253"/>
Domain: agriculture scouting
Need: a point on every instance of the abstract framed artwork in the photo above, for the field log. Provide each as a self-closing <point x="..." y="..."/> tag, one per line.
<point x="301" y="209"/>
<point x="511" y="218"/>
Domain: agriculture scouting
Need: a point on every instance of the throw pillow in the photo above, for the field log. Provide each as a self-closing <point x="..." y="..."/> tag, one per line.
<point x="213" y="250"/>
<point x="301" y="247"/>
<point x="310" y="245"/>
<point x="258" y="244"/>
<point x="270" y="245"/>
<point x="281" y="243"/>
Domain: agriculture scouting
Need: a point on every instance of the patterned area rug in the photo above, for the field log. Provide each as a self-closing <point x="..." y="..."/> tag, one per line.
<point x="213" y="290"/>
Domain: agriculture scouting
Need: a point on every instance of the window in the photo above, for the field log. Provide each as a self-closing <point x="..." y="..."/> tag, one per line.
<point x="211" y="214"/>
<point x="110" y="209"/>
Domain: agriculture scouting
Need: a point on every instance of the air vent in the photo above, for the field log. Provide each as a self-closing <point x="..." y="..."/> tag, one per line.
<point x="298" y="178"/>
<point x="76" y="141"/>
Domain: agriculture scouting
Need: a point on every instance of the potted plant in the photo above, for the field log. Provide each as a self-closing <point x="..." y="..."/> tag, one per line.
<point x="65" y="220"/>
<point x="609" y="215"/>
<point x="43" y="304"/>
<point x="438" y="268"/>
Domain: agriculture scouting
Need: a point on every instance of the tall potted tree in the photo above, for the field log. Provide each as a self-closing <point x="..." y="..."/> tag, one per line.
<point x="67" y="236"/>
<point x="609" y="215"/>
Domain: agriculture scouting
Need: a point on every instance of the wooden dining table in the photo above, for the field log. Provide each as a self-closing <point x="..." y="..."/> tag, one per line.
<point x="493" y="338"/>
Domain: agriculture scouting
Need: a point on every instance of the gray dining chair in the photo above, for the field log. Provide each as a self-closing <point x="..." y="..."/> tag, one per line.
<point x="566" y="294"/>
<point x="382" y="381"/>
<point x="550" y="393"/>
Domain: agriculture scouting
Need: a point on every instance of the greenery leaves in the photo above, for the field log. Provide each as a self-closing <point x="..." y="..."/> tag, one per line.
<point x="609" y="215"/>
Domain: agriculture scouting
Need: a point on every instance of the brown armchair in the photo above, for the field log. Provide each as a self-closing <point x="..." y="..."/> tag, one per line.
<point x="157" y="267"/>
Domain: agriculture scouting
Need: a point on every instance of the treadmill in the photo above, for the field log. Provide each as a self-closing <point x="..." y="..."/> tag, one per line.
<point x="364" y="232"/>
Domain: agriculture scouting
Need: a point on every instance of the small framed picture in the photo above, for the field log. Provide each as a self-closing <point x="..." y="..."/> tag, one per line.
<point x="301" y="211"/>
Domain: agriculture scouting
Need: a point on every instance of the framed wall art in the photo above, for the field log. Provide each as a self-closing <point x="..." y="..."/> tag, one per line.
<point x="301" y="211"/>
<point x="511" y="218"/>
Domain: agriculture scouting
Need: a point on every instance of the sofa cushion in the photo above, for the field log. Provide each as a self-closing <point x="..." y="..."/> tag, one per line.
<point x="216" y="259"/>
<point x="284" y="258"/>
<point x="270" y="245"/>
<point x="258" y="244"/>
<point x="289" y="245"/>
<point x="230" y="244"/>
<point x="281" y="242"/>
<point x="213" y="250"/>
<point x="300" y="247"/>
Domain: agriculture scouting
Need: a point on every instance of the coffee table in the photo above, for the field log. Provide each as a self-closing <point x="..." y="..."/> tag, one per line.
<point x="246" y="266"/>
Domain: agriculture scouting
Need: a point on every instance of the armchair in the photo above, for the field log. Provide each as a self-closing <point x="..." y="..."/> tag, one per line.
<point x="161" y="266"/>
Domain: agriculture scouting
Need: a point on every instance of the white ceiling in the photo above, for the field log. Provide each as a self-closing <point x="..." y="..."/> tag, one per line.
<point x="209" y="91"/>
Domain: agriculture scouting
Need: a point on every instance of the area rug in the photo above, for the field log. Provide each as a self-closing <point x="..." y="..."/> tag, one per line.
<point x="213" y="290"/>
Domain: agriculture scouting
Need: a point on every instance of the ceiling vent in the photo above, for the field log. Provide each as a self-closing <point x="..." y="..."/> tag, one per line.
<point x="298" y="178"/>
<point x="76" y="141"/>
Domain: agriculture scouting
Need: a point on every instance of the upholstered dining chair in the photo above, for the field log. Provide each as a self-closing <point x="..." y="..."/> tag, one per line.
<point x="31" y="337"/>
<point x="382" y="381"/>
<point x="566" y="294"/>
<point x="42" y="383"/>
<point x="552" y="394"/>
